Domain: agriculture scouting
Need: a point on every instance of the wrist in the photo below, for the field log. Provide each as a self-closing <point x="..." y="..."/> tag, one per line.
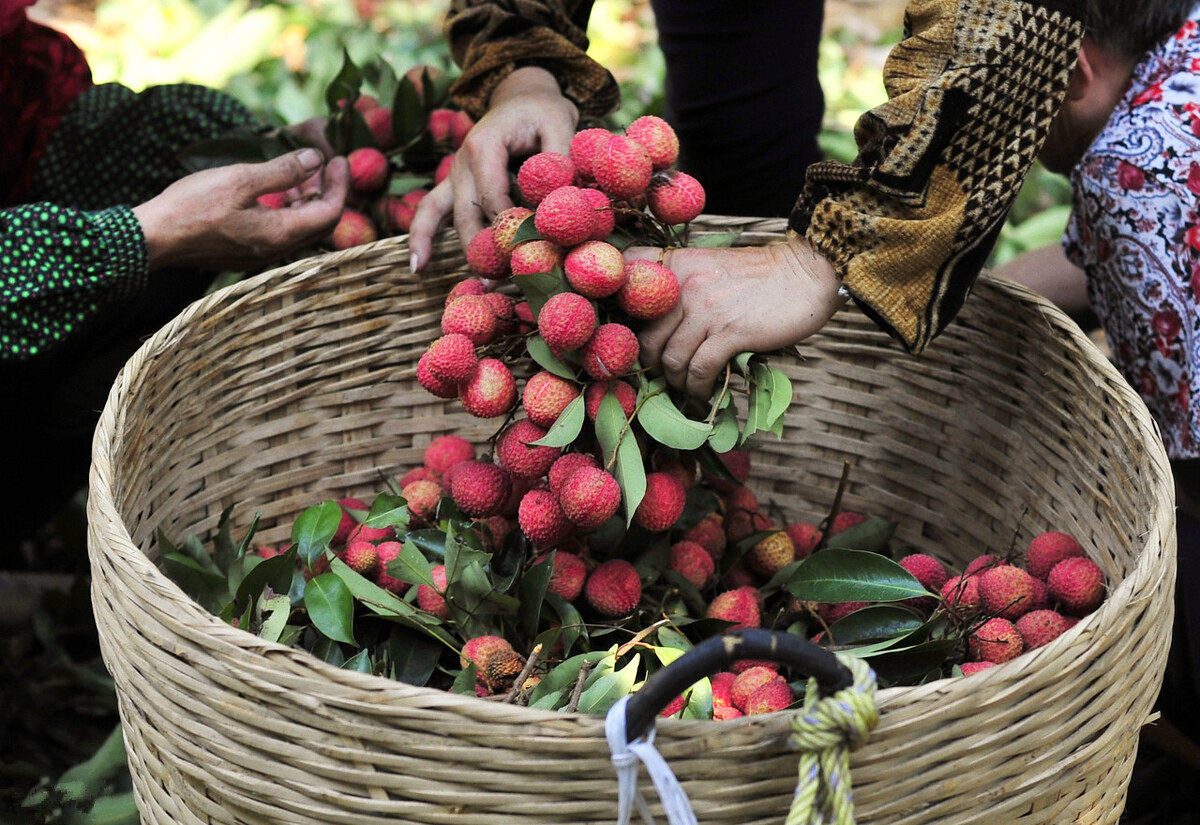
<point x="523" y="80"/>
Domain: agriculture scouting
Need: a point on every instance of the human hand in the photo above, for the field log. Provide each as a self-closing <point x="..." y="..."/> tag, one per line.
<point x="213" y="219"/>
<point x="527" y="114"/>
<point x="743" y="299"/>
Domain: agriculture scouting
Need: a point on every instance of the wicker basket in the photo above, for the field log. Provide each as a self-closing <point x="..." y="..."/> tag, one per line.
<point x="298" y="385"/>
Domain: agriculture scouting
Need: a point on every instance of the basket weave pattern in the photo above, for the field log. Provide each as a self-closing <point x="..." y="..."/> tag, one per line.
<point x="299" y="385"/>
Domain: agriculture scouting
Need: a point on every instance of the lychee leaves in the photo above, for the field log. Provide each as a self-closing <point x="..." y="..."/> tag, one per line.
<point x="840" y="575"/>
<point x="622" y="457"/>
<point x="566" y="427"/>
<point x="315" y="528"/>
<point x="330" y="607"/>
<point x="542" y="355"/>
<point x="540" y="287"/>
<point x="665" y="423"/>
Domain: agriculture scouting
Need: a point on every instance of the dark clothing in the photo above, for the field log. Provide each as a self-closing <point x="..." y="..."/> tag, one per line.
<point x="1181" y="681"/>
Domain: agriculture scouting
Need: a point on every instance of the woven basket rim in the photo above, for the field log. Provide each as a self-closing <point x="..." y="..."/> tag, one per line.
<point x="101" y="498"/>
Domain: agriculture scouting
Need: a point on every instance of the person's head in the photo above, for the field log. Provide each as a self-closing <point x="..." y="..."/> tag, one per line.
<point x="1119" y="33"/>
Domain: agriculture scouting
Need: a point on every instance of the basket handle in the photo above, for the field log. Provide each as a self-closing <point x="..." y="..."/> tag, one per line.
<point x="714" y="654"/>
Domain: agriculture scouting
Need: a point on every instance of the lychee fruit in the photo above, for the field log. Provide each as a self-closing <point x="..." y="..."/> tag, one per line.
<point x="833" y="612"/>
<point x="452" y="358"/>
<point x="477" y="650"/>
<point x="1048" y="549"/>
<point x="422" y="498"/>
<point x="467" y="286"/>
<point x="769" y="697"/>
<point x="1006" y="591"/>
<point x="388" y="552"/>
<point x="379" y="121"/>
<point x="845" y="520"/>
<point x="613" y="589"/>
<point x="566" y="321"/>
<point x="490" y="391"/>
<point x="693" y="562"/>
<point x="546" y="396"/>
<point x="471" y="316"/>
<point x="542" y="173"/>
<point x="541" y="518"/>
<point x="1040" y="627"/>
<point x="771" y="554"/>
<point x="741" y="498"/>
<point x="650" y="290"/>
<point x="625" y="394"/>
<point x="709" y="533"/>
<point x="484" y="257"/>
<point x="368" y="170"/>
<point x="443" y="169"/>
<point x="437" y="387"/>
<point x="444" y="451"/>
<point x="584" y="145"/>
<point x="1077" y="583"/>
<point x="739" y="605"/>
<point x="961" y="594"/>
<point x="273" y="200"/>
<point x="362" y="532"/>
<point x="403" y="209"/>
<point x="927" y="570"/>
<point x="590" y="497"/>
<point x="432" y="599"/>
<point x="722" y="688"/>
<point x="969" y="668"/>
<point x="622" y="167"/>
<point x="750" y="680"/>
<point x="515" y="454"/>
<point x="595" y="269"/>
<point x="675" y="197"/>
<point x="722" y="713"/>
<point x="461" y="124"/>
<point x="673" y="707"/>
<point x="504" y="308"/>
<point x="611" y="352"/>
<point x="565" y="217"/>
<point x="740" y="524"/>
<point x="568" y="575"/>
<point x="996" y="640"/>
<point x="603" y="212"/>
<point x="500" y="670"/>
<point x="657" y="137"/>
<point x="353" y="229"/>
<point x="480" y="488"/>
<point x="565" y="466"/>
<point x="531" y="257"/>
<point x="438" y="124"/>
<point x="505" y="226"/>
<point x="981" y="563"/>
<point x="737" y="463"/>
<point x="348" y="522"/>
<point x="662" y="503"/>
<point x="805" y="537"/>
<point x="362" y="557"/>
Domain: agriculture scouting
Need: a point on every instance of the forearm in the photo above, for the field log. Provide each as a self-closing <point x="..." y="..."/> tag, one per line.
<point x="910" y="223"/>
<point x="1048" y="272"/>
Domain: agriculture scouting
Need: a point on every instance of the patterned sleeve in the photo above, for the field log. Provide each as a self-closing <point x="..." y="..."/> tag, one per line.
<point x="490" y="38"/>
<point x="972" y="89"/>
<point x="61" y="268"/>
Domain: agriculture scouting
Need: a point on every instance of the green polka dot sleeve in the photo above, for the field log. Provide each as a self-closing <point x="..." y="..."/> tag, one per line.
<point x="60" y="268"/>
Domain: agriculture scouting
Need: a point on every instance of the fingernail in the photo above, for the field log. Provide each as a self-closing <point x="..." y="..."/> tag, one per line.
<point x="309" y="159"/>
<point x="414" y="262"/>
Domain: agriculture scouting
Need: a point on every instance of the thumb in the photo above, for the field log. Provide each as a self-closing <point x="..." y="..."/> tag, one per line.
<point x="282" y="173"/>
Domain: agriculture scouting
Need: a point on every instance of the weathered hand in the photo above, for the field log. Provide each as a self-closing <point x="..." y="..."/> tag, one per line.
<point x="735" y="300"/>
<point x="213" y="219"/>
<point x="528" y="114"/>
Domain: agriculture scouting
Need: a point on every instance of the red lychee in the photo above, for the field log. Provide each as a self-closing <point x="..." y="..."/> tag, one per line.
<point x="996" y="640"/>
<point x="362" y="532"/>
<point x="422" y="498"/>
<point x="530" y="257"/>
<point x="663" y="502"/>
<point x="505" y="226"/>
<point x="740" y="524"/>
<point x="981" y="563"/>
<point x="484" y="257"/>
<point x="443" y="169"/>
<point x="693" y="562"/>
<point x="961" y="594"/>
<point x="769" y="698"/>
<point x="723" y="714"/>
<point x="452" y="358"/>
<point x="590" y="497"/>
<point x="368" y="170"/>
<point x="737" y="463"/>
<point x="927" y="570"/>
<point x="595" y="269"/>
<point x="1077" y="583"/>
<point x="722" y="688"/>
<point x="565" y="466"/>
<point x="401" y="210"/>
<point x="541" y="518"/>
<point x="480" y="488"/>
<point x="845" y="520"/>
<point x="565" y="217"/>
<point x="739" y="605"/>
<point x="1047" y="550"/>
<point x="805" y="537"/>
<point x="969" y="668"/>
<point x="625" y="394"/>
<point x="348" y="522"/>
<point x="477" y="650"/>
<point x="432" y="599"/>
<point x="568" y="576"/>
<point x="709" y="533"/>
<point x="542" y="173"/>
<point x="673" y="707"/>
<point x="567" y="321"/>
<point x="1040" y="627"/>
<point x="362" y="557"/>
<point x="444" y="451"/>
<point x="514" y="453"/>
<point x="460" y="124"/>
<point x="771" y="554"/>
<point x="273" y="200"/>
<point x="613" y="589"/>
<point x="504" y="308"/>
<point x="490" y="391"/>
<point x="418" y="74"/>
<point x="379" y="121"/>
<point x="611" y="352"/>
<point x="750" y="680"/>
<point x="467" y="286"/>
<point x="584" y="146"/>
<point x="437" y="387"/>
<point x="622" y="167"/>
<point x="675" y="197"/>
<point x="546" y="396"/>
<point x="353" y="229"/>
<point x="1006" y="591"/>
<point x="602" y="211"/>
<point x="471" y="316"/>
<point x="389" y="551"/>
<point x="657" y="137"/>
<point x="833" y="612"/>
<point x="650" y="290"/>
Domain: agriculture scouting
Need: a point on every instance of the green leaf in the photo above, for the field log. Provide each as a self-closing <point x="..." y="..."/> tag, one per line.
<point x="725" y="431"/>
<point x="540" y="287"/>
<point x="388" y="510"/>
<point x="545" y="358"/>
<point x="275" y="572"/>
<point x="360" y="661"/>
<point x="207" y="588"/>
<point x="569" y="619"/>
<point x="314" y="529"/>
<point x="408" y="113"/>
<point x="411" y="566"/>
<point x="781" y="397"/>
<point x="400" y="185"/>
<point x="696" y="603"/>
<point x="527" y="231"/>
<point x="275" y="612"/>
<point x="533" y="594"/>
<point x="908" y="665"/>
<point x="874" y="623"/>
<point x="387" y="605"/>
<point x="621" y="452"/>
<point x="670" y="637"/>
<point x="345" y="86"/>
<point x="838" y="575"/>
<point x="464" y="682"/>
<point x="604" y="691"/>
<point x="330" y="607"/>
<point x="713" y="240"/>
<point x="563" y="676"/>
<point x="430" y="541"/>
<point x="664" y="422"/>
<point x="327" y="650"/>
<point x="872" y="534"/>
<point x="566" y="428"/>
<point x="699" y="701"/>
<point x="224" y="551"/>
<point x="741" y="363"/>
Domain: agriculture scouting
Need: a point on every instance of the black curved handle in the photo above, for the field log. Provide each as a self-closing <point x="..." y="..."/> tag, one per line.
<point x="714" y="654"/>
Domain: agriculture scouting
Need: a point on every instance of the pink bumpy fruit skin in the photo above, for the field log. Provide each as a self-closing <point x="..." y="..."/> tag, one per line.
<point x="595" y="269"/>
<point x="531" y="257"/>
<point x="1047" y="550"/>
<point x="505" y="226"/>
<point x="584" y="145"/>
<point x="445" y="451"/>
<point x="739" y="606"/>
<point x="568" y="576"/>
<point x="435" y="386"/>
<point x="349" y="522"/>
<point x="430" y="599"/>
<point x="514" y="453"/>
<point x="542" y="173"/>
<point x="565" y="466"/>
<point x="611" y="352"/>
<point x="368" y="170"/>
<point x="480" y="488"/>
<point x="675" y="197"/>
<point x="750" y="680"/>
<point x="471" y="316"/>
<point x="590" y="497"/>
<point x="622" y="167"/>
<point x="567" y="321"/>
<point x="927" y="570"/>
<point x="602" y="212"/>
<point x="663" y="502"/>
<point x="402" y="210"/>
<point x="565" y="217"/>
<point x="805" y="537"/>
<point x="490" y="391"/>
<point x="546" y="396"/>
<point x="693" y="562"/>
<point x="1040" y="627"/>
<point x="650" y="290"/>
<point x="541" y="518"/>
<point x="768" y="698"/>
<point x="1006" y="591"/>
<point x="613" y="589"/>
<point x="483" y="256"/>
<point x="1077" y="583"/>
<point x="443" y="169"/>
<point x="389" y="551"/>
<point x="996" y="640"/>
<point x="452" y="358"/>
<point x="657" y="137"/>
<point x="379" y="121"/>
<point x="353" y="229"/>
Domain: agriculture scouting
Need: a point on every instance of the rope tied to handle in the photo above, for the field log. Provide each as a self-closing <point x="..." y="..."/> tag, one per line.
<point x="626" y="757"/>
<point x="825" y="732"/>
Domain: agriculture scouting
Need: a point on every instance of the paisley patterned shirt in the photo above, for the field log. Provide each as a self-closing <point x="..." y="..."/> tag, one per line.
<point x="1135" y="230"/>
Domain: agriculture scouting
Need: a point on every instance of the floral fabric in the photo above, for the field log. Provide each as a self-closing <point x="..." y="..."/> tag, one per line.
<point x="1135" y="230"/>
